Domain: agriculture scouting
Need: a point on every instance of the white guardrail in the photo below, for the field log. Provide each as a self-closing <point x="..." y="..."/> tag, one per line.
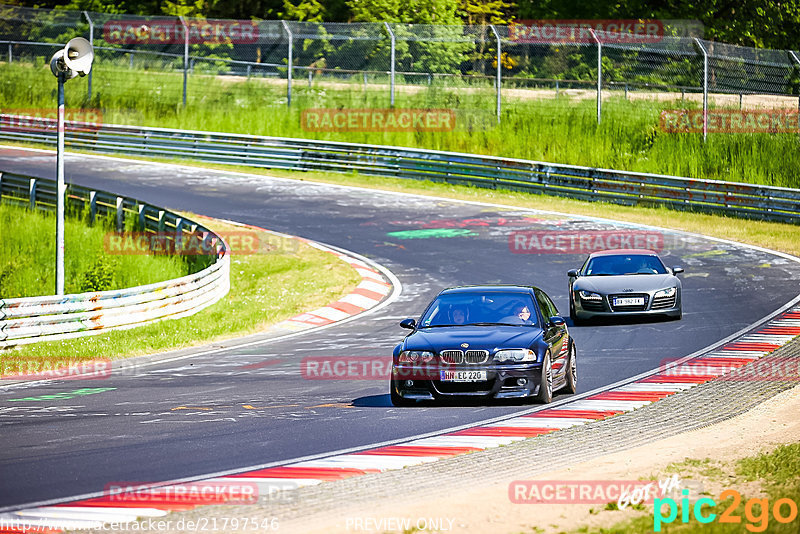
<point x="50" y="318"/>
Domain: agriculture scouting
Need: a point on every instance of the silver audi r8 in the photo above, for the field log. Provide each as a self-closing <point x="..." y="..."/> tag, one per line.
<point x="624" y="282"/>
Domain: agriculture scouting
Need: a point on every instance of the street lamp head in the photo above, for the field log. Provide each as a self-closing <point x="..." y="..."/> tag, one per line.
<point x="74" y="59"/>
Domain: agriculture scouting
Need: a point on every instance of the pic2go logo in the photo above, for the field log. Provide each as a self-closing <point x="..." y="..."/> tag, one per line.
<point x="756" y="511"/>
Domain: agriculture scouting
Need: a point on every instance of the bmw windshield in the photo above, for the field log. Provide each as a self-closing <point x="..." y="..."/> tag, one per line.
<point x="623" y="264"/>
<point x="480" y="309"/>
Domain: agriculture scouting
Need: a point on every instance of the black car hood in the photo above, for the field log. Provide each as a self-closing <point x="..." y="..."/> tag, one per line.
<point x="488" y="338"/>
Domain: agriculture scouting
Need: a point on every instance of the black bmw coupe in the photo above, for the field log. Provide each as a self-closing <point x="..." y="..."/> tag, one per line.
<point x="495" y="342"/>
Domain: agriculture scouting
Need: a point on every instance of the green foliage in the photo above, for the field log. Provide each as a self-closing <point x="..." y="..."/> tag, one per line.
<point x="100" y="277"/>
<point x="27" y="257"/>
<point x="780" y="467"/>
<point x="535" y="124"/>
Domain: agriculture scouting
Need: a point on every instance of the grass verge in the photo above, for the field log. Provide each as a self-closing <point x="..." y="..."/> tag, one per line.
<point x="265" y="288"/>
<point x="562" y="130"/>
<point x="27" y="257"/>
<point x="762" y="481"/>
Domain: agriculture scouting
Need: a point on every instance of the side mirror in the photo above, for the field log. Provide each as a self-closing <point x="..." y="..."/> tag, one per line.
<point x="556" y="320"/>
<point x="677" y="270"/>
<point x="572" y="273"/>
<point x="411" y="324"/>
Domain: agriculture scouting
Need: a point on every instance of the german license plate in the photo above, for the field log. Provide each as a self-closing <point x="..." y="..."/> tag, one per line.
<point x="629" y="301"/>
<point x="462" y="376"/>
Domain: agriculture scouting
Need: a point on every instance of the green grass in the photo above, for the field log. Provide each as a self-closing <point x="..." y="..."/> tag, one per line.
<point x="265" y="288"/>
<point x="560" y="130"/>
<point x="27" y="257"/>
<point x="776" y="471"/>
<point x="780" y="467"/>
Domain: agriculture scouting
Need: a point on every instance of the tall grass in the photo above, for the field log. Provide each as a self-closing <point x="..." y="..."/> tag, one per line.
<point x="562" y="130"/>
<point x="27" y="257"/>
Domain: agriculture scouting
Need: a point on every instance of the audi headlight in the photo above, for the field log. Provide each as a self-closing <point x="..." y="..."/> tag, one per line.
<point x="515" y="355"/>
<point x="415" y="356"/>
<point x="670" y="292"/>
<point x="588" y="295"/>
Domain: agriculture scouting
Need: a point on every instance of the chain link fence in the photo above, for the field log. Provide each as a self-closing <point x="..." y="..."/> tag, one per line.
<point x="491" y="62"/>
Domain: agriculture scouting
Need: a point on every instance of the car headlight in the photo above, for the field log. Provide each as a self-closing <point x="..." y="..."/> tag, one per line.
<point x="515" y="355"/>
<point x="670" y="292"/>
<point x="588" y="295"/>
<point x="415" y="356"/>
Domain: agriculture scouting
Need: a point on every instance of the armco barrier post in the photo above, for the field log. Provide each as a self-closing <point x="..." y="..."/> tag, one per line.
<point x="599" y="74"/>
<point x="499" y="69"/>
<point x="289" y="61"/>
<point x="391" y="63"/>
<point x="705" y="86"/>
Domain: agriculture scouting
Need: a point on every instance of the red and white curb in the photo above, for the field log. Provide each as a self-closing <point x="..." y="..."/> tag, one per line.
<point x="371" y="291"/>
<point x="685" y="374"/>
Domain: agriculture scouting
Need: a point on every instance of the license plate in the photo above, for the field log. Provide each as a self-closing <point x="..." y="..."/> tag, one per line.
<point x="629" y="301"/>
<point x="462" y="376"/>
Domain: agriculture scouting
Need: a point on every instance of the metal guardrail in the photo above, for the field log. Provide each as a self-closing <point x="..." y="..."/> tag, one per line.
<point x="585" y="183"/>
<point x="50" y="318"/>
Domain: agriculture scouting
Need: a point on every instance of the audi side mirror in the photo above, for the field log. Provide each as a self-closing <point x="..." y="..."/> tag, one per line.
<point x="572" y="273"/>
<point x="677" y="270"/>
<point x="410" y="324"/>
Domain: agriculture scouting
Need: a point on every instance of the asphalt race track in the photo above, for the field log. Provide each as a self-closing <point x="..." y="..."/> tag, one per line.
<point x="251" y="406"/>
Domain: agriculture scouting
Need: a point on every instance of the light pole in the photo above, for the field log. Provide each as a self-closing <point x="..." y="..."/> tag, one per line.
<point x="73" y="60"/>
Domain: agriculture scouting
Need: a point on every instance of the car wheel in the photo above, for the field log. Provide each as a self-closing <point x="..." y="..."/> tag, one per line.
<point x="398" y="400"/>
<point x="572" y="371"/>
<point x="545" y="395"/>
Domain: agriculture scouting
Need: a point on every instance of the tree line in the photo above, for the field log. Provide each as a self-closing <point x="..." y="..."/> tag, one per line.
<point x="758" y="23"/>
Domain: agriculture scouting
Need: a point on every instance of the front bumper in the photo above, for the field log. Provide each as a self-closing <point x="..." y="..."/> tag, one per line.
<point x="501" y="382"/>
<point x="589" y="309"/>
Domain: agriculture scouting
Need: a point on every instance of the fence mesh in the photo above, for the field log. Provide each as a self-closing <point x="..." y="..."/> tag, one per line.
<point x="151" y="55"/>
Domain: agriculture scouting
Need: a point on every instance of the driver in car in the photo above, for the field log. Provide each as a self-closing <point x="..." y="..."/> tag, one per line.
<point x="520" y="314"/>
<point x="459" y="314"/>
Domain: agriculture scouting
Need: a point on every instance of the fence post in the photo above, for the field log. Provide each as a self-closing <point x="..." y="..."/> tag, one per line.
<point x="705" y="87"/>
<point x="499" y="74"/>
<point x="11" y="55"/>
<point x="797" y="62"/>
<point x="91" y="42"/>
<point x="32" y="192"/>
<point x="599" y="75"/>
<point x="185" y="57"/>
<point x="290" y="60"/>
<point x="92" y="206"/>
<point x="391" y="61"/>
<point x="120" y="214"/>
